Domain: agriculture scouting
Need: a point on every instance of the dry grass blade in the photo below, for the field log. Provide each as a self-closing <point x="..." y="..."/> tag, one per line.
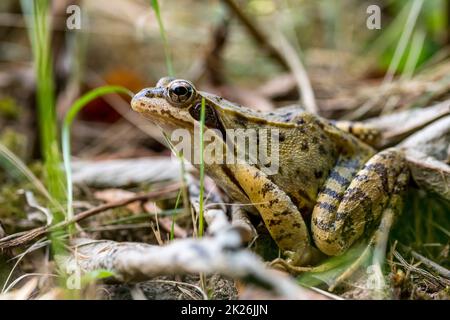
<point x="22" y="293"/>
<point x="300" y="74"/>
<point x="22" y="168"/>
<point x="432" y="265"/>
<point x="438" y="281"/>
<point x="10" y="241"/>
<point x="179" y="283"/>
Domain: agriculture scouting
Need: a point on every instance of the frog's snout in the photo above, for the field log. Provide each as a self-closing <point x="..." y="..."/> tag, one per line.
<point x="141" y="99"/>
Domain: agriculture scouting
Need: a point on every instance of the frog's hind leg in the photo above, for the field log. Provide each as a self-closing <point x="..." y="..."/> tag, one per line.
<point x="329" y="197"/>
<point x="340" y="218"/>
<point x="376" y="244"/>
<point x="378" y="241"/>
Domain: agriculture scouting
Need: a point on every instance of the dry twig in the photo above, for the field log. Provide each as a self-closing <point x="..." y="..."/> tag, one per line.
<point x="25" y="237"/>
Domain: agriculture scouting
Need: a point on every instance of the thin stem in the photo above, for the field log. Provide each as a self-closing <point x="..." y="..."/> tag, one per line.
<point x="202" y="170"/>
<point x="162" y="32"/>
<point x="68" y="119"/>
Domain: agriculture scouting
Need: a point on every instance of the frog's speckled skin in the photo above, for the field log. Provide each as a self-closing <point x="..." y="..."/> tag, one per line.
<point x="327" y="176"/>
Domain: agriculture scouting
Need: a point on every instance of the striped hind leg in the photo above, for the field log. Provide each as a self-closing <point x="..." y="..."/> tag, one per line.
<point x="348" y="209"/>
<point x="378" y="241"/>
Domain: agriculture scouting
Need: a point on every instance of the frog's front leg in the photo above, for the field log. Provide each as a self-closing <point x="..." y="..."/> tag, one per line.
<point x="280" y="215"/>
<point x="340" y="218"/>
<point x="363" y="131"/>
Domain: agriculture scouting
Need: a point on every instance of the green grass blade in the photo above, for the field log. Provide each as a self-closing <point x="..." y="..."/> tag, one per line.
<point x="37" y="14"/>
<point x="169" y="66"/>
<point x="408" y="29"/>
<point x="68" y="119"/>
<point x="172" y="227"/>
<point x="202" y="170"/>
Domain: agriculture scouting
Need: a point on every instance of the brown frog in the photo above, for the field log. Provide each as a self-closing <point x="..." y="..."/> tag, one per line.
<point x="330" y="189"/>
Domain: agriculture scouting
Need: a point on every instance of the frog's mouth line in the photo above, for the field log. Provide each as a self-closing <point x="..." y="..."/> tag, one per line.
<point x="146" y="103"/>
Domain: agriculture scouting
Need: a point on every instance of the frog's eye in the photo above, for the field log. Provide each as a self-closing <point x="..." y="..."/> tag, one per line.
<point x="180" y="92"/>
<point x="210" y="115"/>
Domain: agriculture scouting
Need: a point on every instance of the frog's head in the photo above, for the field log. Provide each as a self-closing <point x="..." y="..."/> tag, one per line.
<point x="176" y="103"/>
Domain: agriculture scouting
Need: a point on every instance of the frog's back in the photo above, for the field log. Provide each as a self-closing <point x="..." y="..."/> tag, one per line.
<point x="307" y="155"/>
<point x="308" y="152"/>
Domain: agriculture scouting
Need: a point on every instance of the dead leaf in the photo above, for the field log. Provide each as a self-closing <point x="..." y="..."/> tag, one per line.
<point x="112" y="195"/>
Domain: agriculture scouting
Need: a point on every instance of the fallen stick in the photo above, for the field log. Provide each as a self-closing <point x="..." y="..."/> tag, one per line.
<point x="134" y="262"/>
<point x="222" y="251"/>
<point x="118" y="173"/>
<point x="257" y="34"/>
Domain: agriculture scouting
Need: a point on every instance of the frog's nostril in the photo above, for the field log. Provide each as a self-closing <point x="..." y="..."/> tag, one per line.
<point x="137" y="100"/>
<point x="142" y="98"/>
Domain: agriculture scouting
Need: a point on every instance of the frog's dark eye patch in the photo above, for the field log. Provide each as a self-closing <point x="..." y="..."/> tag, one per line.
<point x="180" y="92"/>
<point x="211" y="120"/>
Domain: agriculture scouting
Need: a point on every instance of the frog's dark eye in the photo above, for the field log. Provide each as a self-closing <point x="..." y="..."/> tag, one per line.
<point x="211" y="120"/>
<point x="180" y="92"/>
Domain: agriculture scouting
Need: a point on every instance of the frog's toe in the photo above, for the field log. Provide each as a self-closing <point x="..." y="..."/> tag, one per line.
<point x="309" y="256"/>
<point x="294" y="259"/>
<point x="286" y="265"/>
